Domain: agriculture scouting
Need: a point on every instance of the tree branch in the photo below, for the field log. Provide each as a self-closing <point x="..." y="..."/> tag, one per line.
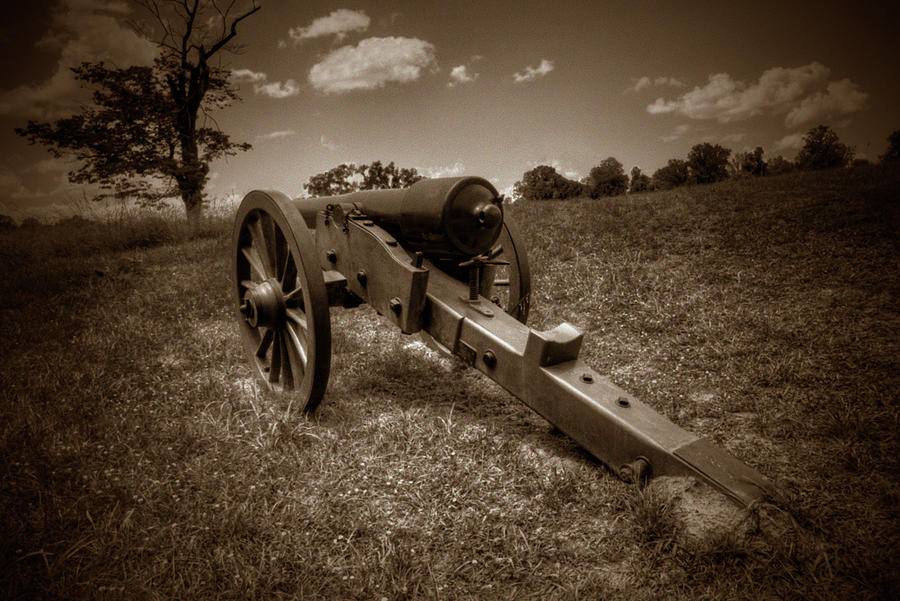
<point x="218" y="45"/>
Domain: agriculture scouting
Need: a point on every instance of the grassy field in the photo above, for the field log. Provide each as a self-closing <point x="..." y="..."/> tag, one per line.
<point x="140" y="459"/>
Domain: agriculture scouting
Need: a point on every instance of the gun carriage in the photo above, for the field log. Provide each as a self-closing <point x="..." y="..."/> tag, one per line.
<point x="439" y="258"/>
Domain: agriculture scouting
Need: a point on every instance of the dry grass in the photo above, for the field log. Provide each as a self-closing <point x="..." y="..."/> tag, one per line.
<point x="140" y="459"/>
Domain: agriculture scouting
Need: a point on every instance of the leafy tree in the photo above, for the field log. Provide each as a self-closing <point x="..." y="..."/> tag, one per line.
<point x="30" y="223"/>
<point x="892" y="153"/>
<point x="639" y="181"/>
<point x="708" y="163"/>
<point x="823" y="150"/>
<point x="544" y="183"/>
<point x="674" y="174"/>
<point x="147" y="134"/>
<point x="350" y="178"/>
<point x="753" y="163"/>
<point x="779" y="165"/>
<point x="606" y="179"/>
<point x="7" y="222"/>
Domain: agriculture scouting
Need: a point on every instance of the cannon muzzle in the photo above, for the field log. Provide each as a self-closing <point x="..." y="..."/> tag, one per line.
<point x="443" y="217"/>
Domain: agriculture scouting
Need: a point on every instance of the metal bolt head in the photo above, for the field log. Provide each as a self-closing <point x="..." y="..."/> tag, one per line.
<point x="331" y="255"/>
<point x="587" y="378"/>
<point x="623" y="402"/>
<point x="396" y="305"/>
<point x="362" y="278"/>
<point x="490" y="359"/>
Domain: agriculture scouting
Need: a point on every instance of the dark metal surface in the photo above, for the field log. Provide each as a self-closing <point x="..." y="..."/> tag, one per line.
<point x="449" y="217"/>
<point x="281" y="297"/>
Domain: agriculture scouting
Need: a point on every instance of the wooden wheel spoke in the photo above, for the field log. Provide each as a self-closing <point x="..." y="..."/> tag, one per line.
<point x="296" y="346"/>
<point x="298" y="317"/>
<point x="282" y="255"/>
<point x="264" y="343"/>
<point x="262" y="246"/>
<point x="249" y="284"/>
<point x="255" y="261"/>
<point x="275" y="368"/>
<point x="287" y="367"/>
<point x="289" y="274"/>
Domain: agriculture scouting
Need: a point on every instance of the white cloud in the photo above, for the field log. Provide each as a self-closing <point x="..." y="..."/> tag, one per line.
<point x="339" y="23"/>
<point x="247" y="76"/>
<point x="82" y="30"/>
<point x="840" y="98"/>
<point x="277" y="89"/>
<point x="261" y="85"/>
<point x="371" y="64"/>
<point x="530" y="73"/>
<point x="325" y="142"/>
<point x="779" y="90"/>
<point x="790" y="142"/>
<point x="457" y="168"/>
<point x="644" y="82"/>
<point x="735" y="137"/>
<point x="460" y="75"/>
<point x="679" y="131"/>
<point x="284" y="133"/>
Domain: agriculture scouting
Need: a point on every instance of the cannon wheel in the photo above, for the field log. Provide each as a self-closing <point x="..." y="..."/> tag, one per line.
<point x="509" y="286"/>
<point x="281" y="298"/>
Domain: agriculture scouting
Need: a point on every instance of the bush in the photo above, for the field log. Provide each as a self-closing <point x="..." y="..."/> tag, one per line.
<point x="606" y="179"/>
<point x="544" y="183"/>
<point x="708" y="163"/>
<point x="674" y="174"/>
<point x="639" y="181"/>
<point x="892" y="154"/>
<point x="779" y="165"/>
<point x="823" y="150"/>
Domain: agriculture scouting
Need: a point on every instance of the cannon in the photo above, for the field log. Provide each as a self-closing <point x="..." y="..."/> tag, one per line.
<point x="440" y="259"/>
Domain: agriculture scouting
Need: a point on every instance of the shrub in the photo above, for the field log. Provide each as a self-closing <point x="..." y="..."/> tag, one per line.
<point x="823" y="150"/>
<point x="606" y="179"/>
<point x="708" y="163"/>
<point x="544" y="183"/>
<point x="639" y="181"/>
<point x="674" y="174"/>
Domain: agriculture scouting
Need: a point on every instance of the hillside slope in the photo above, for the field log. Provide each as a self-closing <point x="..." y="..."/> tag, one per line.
<point x="140" y="459"/>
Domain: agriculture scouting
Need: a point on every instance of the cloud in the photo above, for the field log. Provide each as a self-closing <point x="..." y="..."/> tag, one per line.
<point x="81" y="30"/>
<point x="247" y="76"/>
<point x="735" y="137"/>
<point x="261" y="85"/>
<point x="644" y="82"/>
<point x="284" y="133"/>
<point x="277" y="89"/>
<point x="530" y="73"/>
<point x="460" y="75"/>
<point x="841" y="98"/>
<point x="325" y="142"/>
<point x="679" y="131"/>
<point x="371" y="64"/>
<point x="457" y="168"/>
<point x="339" y="23"/>
<point x="790" y="142"/>
<point x="779" y="90"/>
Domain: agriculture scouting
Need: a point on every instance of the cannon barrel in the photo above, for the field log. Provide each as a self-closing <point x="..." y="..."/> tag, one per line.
<point x="442" y="217"/>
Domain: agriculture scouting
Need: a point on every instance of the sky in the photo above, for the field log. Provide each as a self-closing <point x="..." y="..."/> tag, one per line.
<point x="476" y="88"/>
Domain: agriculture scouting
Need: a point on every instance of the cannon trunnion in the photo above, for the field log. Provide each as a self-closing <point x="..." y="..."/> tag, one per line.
<point x="440" y="259"/>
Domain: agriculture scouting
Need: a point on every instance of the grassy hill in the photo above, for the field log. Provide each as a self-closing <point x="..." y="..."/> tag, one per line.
<point x="141" y="460"/>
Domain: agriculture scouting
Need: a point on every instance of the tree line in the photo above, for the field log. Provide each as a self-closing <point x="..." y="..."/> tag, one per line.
<point x="705" y="163"/>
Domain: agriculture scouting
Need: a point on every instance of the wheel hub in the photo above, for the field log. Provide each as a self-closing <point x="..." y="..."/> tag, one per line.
<point x="264" y="305"/>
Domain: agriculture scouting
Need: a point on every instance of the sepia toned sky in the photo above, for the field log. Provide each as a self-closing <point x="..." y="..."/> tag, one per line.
<point x="485" y="88"/>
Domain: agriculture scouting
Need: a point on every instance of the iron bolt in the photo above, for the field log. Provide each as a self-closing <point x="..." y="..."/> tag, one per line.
<point x="623" y="402"/>
<point x="396" y="305"/>
<point x="587" y="378"/>
<point x="362" y="278"/>
<point x="490" y="359"/>
<point x="331" y="255"/>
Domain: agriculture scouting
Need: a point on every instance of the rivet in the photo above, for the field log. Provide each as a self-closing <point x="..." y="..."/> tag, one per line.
<point x="331" y="255"/>
<point x="390" y="242"/>
<point x="362" y="278"/>
<point x="587" y="378"/>
<point x="490" y="359"/>
<point x="623" y="402"/>
<point x="396" y="305"/>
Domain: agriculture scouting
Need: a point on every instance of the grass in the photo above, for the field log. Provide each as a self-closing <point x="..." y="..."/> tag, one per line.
<point x="141" y="459"/>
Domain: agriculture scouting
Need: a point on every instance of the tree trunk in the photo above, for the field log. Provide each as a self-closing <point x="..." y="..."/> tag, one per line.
<point x="193" y="208"/>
